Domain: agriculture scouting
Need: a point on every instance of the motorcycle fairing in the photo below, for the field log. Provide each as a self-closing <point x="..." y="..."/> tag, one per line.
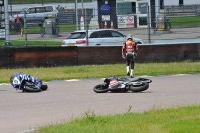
<point x="112" y="82"/>
<point x="18" y="79"/>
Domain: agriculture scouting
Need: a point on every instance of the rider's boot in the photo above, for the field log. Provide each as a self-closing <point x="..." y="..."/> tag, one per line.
<point x="132" y="71"/>
<point x="127" y="71"/>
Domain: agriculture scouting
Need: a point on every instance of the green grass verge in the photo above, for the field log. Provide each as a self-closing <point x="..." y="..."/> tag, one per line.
<point x="102" y="71"/>
<point x="40" y="30"/>
<point x="174" y="120"/>
<point x="61" y="28"/>
<point x="21" y="43"/>
<point x="190" y="21"/>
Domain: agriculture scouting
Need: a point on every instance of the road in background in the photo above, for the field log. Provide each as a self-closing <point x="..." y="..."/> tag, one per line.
<point x="64" y="101"/>
<point x="175" y="36"/>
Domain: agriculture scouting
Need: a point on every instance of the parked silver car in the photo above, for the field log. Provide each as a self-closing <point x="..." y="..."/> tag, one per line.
<point x="36" y="14"/>
<point x="98" y="37"/>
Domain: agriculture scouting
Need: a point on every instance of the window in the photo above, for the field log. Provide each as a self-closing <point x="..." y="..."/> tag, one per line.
<point x="142" y="20"/>
<point x="126" y="8"/>
<point x="104" y="34"/>
<point x="49" y="9"/>
<point x="133" y="7"/>
<point x="161" y="4"/>
<point x="31" y="10"/>
<point x="116" y="34"/>
<point x="40" y="9"/>
<point x="94" y="35"/>
<point x="180" y="2"/>
<point x="78" y="35"/>
<point x="1" y="3"/>
<point x="143" y="7"/>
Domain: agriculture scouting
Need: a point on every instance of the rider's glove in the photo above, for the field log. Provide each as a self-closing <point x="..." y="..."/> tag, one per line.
<point x="123" y="57"/>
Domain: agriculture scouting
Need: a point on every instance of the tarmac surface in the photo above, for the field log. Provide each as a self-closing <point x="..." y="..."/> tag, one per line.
<point x="67" y="100"/>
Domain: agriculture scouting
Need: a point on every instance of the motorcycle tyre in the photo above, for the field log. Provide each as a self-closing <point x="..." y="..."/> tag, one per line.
<point x="144" y="86"/>
<point x="98" y="90"/>
<point x="27" y="88"/>
<point x="44" y="87"/>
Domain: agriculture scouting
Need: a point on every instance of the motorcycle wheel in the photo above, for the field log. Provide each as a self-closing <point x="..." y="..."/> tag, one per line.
<point x="30" y="87"/>
<point x="100" y="89"/>
<point x="44" y="87"/>
<point x="141" y="87"/>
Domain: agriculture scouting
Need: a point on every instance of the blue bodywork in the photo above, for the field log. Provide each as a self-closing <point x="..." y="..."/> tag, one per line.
<point x="16" y="80"/>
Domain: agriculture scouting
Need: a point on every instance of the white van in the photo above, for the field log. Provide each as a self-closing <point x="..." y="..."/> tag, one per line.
<point x="36" y="14"/>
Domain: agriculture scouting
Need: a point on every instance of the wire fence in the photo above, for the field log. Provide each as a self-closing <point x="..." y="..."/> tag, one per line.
<point x="145" y="22"/>
<point x="14" y="2"/>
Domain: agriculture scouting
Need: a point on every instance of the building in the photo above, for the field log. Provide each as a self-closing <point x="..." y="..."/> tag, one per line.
<point x="132" y="13"/>
<point x="180" y="2"/>
<point x="135" y="13"/>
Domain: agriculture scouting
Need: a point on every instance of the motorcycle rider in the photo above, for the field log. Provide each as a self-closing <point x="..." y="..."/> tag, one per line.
<point x="129" y="51"/>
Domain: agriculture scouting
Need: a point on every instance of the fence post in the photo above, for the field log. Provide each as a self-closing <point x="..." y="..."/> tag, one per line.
<point x="148" y="23"/>
<point x="87" y="27"/>
<point x="25" y="29"/>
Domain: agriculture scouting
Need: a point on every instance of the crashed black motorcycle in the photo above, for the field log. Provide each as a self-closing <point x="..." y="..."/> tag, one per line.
<point x="114" y="84"/>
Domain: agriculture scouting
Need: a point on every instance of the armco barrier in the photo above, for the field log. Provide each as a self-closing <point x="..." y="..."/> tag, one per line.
<point x="169" y="53"/>
<point x="99" y="55"/>
<point x="7" y="58"/>
<point x="45" y="56"/>
<point x="37" y="57"/>
<point x="74" y="56"/>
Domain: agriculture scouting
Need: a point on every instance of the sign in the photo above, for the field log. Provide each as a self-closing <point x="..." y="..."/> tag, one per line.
<point x="121" y="22"/>
<point x="105" y="9"/>
<point x="94" y="24"/>
<point x="105" y="17"/>
<point x="130" y="21"/>
<point x="125" y="21"/>
<point x="2" y="34"/>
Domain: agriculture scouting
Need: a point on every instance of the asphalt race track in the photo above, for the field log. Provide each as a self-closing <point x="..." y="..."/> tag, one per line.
<point x="66" y="100"/>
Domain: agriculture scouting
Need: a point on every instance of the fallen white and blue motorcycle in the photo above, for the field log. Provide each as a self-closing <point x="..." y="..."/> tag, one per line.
<point x="114" y="84"/>
<point x="27" y="83"/>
